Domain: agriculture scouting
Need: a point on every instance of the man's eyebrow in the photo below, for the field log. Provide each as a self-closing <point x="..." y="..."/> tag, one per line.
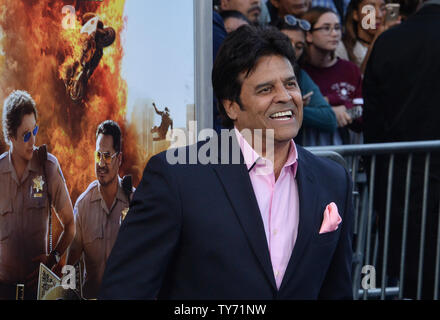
<point x="269" y="83"/>
<point x="290" y="78"/>
<point x="264" y="84"/>
<point x="28" y="130"/>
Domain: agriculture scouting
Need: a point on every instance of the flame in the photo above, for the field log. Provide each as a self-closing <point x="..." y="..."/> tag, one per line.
<point x="34" y="53"/>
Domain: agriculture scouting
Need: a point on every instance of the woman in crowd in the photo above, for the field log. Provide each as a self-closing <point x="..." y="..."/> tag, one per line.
<point x="359" y="37"/>
<point x="340" y="80"/>
<point x="318" y="115"/>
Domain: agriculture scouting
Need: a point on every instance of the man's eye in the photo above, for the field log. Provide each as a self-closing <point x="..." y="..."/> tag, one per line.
<point x="292" y="84"/>
<point x="265" y="90"/>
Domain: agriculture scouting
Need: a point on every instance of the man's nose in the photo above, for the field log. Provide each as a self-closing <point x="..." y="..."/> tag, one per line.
<point x="283" y="95"/>
<point x="101" y="163"/>
<point x="32" y="139"/>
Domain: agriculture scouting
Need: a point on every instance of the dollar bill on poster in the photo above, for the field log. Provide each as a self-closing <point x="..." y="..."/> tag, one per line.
<point x="47" y="280"/>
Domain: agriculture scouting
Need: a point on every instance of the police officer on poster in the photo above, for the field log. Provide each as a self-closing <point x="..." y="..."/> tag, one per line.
<point x="31" y="183"/>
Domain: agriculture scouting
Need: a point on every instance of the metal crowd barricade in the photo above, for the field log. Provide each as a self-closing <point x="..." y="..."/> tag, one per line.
<point x="366" y="234"/>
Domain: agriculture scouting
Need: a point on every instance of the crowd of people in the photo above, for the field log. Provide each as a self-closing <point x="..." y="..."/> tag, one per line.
<point x="332" y="40"/>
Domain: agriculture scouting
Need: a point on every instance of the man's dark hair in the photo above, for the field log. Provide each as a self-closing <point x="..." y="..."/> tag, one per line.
<point x="18" y="104"/>
<point x="111" y="128"/>
<point x="240" y="53"/>
<point x="233" y="14"/>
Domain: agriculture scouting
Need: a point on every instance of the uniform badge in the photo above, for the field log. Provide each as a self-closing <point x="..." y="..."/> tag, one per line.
<point x="124" y="213"/>
<point x="38" y="186"/>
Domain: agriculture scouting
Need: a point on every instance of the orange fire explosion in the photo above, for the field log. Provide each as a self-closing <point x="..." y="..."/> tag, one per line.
<point x="34" y="50"/>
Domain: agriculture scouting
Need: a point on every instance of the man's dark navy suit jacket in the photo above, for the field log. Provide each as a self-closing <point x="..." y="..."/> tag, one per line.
<point x="195" y="231"/>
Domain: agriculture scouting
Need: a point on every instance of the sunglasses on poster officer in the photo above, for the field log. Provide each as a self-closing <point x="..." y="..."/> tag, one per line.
<point x="27" y="135"/>
<point x="106" y="157"/>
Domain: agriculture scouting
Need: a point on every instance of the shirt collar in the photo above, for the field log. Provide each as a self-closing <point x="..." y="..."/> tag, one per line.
<point x="120" y="195"/>
<point x="32" y="165"/>
<point x="252" y="158"/>
<point x="7" y="165"/>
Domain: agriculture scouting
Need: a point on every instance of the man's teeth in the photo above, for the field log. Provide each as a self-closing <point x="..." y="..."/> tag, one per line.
<point x="283" y="115"/>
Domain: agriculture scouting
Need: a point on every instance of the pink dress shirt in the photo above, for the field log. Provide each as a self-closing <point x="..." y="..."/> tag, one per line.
<point x="278" y="203"/>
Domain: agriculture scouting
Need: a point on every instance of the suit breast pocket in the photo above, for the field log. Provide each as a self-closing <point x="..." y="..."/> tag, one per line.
<point x="327" y="238"/>
<point x="5" y="220"/>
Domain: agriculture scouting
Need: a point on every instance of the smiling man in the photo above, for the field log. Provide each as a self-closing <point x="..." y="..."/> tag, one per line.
<point x="226" y="230"/>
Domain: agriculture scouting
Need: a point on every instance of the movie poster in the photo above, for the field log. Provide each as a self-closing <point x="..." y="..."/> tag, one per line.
<point x="86" y="61"/>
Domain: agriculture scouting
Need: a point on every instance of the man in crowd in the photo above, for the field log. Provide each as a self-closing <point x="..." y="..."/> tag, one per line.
<point x="250" y="8"/>
<point x="233" y="20"/>
<point x="401" y="94"/>
<point x="31" y="184"/>
<point x="100" y="209"/>
<point x="241" y="226"/>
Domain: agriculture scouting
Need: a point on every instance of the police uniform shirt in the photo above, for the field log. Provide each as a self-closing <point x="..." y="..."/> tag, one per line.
<point x="24" y="214"/>
<point x="96" y="230"/>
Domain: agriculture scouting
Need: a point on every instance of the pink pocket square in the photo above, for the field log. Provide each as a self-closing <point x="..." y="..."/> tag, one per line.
<point x="331" y="220"/>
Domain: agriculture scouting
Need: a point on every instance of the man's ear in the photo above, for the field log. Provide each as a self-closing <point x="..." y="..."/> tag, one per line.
<point x="120" y="158"/>
<point x="232" y="108"/>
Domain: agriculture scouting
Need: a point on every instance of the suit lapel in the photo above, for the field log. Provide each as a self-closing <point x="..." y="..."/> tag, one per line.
<point x="238" y="188"/>
<point x="307" y="213"/>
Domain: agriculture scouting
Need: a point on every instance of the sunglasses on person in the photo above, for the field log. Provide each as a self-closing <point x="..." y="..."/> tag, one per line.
<point x="27" y="135"/>
<point x="105" y="157"/>
<point x="293" y="21"/>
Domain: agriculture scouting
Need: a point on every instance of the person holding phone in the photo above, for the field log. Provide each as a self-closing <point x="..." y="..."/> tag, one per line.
<point x="339" y="80"/>
<point x="392" y="18"/>
<point x="358" y="36"/>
